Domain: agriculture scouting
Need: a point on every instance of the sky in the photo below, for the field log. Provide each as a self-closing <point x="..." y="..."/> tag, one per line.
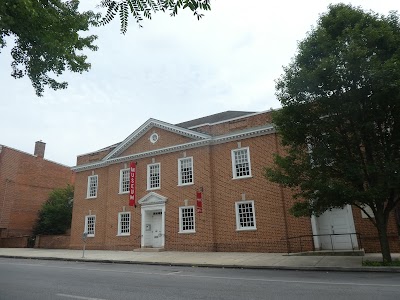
<point x="174" y="69"/>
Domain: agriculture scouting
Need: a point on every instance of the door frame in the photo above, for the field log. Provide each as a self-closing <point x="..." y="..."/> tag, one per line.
<point x="150" y="203"/>
<point x="351" y="228"/>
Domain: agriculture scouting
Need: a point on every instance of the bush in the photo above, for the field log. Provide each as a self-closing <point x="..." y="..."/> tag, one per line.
<point x="56" y="213"/>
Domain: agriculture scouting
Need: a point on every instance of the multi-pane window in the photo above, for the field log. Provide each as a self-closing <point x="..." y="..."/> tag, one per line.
<point x="245" y="215"/>
<point x="90" y="224"/>
<point x="241" y="163"/>
<point x="124" y="181"/>
<point x="124" y="223"/>
<point x="153" y="176"/>
<point x="185" y="170"/>
<point x="92" y="186"/>
<point x="186" y="219"/>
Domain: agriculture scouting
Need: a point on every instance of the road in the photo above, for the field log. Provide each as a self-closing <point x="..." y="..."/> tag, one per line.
<point x="41" y="279"/>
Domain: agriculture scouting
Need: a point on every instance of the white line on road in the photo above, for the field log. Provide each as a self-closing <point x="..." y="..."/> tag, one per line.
<point x="78" y="297"/>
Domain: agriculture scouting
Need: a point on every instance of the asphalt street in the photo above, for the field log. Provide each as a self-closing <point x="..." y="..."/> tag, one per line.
<point x="42" y="279"/>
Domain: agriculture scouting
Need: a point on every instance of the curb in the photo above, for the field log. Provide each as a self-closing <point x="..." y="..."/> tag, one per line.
<point x="205" y="265"/>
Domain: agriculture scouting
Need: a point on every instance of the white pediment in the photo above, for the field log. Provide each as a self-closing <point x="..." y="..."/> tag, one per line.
<point x="152" y="198"/>
<point x="148" y="125"/>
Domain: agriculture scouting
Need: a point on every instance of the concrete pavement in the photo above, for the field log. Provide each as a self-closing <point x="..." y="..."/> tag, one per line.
<point x="208" y="259"/>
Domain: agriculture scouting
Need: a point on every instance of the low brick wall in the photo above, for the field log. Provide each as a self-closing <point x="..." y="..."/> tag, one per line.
<point x="52" y="241"/>
<point x="14" y="242"/>
<point x="371" y="244"/>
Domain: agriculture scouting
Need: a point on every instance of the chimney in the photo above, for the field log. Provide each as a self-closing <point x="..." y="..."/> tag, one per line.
<point x="39" y="149"/>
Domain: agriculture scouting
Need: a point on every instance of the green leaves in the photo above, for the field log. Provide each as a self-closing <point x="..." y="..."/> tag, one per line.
<point x="56" y="213"/>
<point x="144" y="8"/>
<point x="47" y="39"/>
<point x="340" y="119"/>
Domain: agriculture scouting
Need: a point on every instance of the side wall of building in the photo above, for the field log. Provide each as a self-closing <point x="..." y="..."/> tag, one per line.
<point x="26" y="182"/>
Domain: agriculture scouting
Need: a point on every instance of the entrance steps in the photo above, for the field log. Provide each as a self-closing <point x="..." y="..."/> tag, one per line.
<point x="360" y="252"/>
<point x="148" y="249"/>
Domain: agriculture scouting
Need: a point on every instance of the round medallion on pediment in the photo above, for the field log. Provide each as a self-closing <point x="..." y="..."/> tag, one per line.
<point x="154" y="138"/>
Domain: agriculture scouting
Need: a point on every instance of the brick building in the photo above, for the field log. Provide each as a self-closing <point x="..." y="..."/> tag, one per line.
<point x="218" y="159"/>
<point x="25" y="183"/>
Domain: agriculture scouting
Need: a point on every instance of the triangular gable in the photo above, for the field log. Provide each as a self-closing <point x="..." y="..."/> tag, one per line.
<point x="150" y="123"/>
<point x="152" y="198"/>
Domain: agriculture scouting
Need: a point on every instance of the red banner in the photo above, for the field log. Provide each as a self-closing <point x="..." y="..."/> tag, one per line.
<point x="132" y="184"/>
<point x="199" y="198"/>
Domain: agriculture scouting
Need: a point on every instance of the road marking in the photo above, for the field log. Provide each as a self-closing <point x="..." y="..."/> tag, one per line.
<point x="210" y="277"/>
<point x="78" y="297"/>
<point x="289" y="281"/>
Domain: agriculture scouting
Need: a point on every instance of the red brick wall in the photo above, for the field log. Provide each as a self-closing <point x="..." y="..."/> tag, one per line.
<point x="235" y="125"/>
<point x="52" y="241"/>
<point x="25" y="183"/>
<point x="92" y="157"/>
<point x="369" y="233"/>
<point x="216" y="226"/>
<point x="14" y="242"/>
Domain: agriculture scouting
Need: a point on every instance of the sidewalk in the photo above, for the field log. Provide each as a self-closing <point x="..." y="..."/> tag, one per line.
<point x="208" y="259"/>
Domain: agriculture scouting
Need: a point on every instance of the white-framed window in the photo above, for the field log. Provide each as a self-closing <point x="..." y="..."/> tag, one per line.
<point x="245" y="215"/>
<point x="186" y="219"/>
<point x="153" y="176"/>
<point x="93" y="182"/>
<point x="124" y="181"/>
<point x="90" y="225"/>
<point x="185" y="171"/>
<point x="124" y="223"/>
<point x="241" y="167"/>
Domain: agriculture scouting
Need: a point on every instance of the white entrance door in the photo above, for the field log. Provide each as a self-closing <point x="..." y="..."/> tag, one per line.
<point x="156" y="229"/>
<point x="337" y="221"/>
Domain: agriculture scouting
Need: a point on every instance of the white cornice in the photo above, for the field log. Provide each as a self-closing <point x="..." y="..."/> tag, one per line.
<point x="251" y="132"/>
<point x="145" y="127"/>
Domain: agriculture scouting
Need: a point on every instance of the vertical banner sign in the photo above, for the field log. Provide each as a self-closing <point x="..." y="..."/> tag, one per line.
<point x="199" y="198"/>
<point x="132" y="184"/>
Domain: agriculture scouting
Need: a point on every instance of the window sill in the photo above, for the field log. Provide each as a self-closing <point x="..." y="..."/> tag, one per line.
<point x="247" y="229"/>
<point x="122" y="234"/>
<point x="186" y="184"/>
<point x="187" y="232"/>
<point x="242" y="177"/>
<point x="123" y="193"/>
<point x="88" y="198"/>
<point x="154" y="189"/>
<point x="90" y="235"/>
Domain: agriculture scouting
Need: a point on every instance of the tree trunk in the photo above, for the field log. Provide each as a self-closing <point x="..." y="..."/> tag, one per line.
<point x="381" y="225"/>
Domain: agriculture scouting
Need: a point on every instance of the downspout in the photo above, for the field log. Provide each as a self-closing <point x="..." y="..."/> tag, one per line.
<point x="283" y="200"/>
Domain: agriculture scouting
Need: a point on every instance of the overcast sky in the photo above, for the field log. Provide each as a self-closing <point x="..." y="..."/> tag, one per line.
<point x="172" y="69"/>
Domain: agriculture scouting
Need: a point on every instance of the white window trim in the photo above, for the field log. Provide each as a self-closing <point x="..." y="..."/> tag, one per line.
<point x="148" y="177"/>
<point x="94" y="225"/>
<point x="88" y="187"/>
<point x="238" y="228"/>
<point x="180" y="171"/>
<point x="120" y="181"/>
<point x="181" y="223"/>
<point x="119" y="224"/>
<point x="234" y="176"/>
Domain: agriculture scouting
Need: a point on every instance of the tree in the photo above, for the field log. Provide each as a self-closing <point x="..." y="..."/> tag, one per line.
<point x="340" y="117"/>
<point x="48" y="39"/>
<point x="48" y="33"/>
<point x="56" y="213"/>
<point x="145" y="8"/>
